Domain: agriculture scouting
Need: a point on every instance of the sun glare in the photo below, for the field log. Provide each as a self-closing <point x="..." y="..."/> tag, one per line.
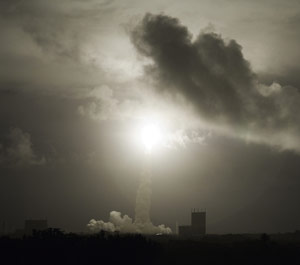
<point x="150" y="136"/>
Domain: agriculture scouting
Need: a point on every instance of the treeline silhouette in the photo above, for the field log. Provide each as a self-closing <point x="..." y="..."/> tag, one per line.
<point x="52" y="246"/>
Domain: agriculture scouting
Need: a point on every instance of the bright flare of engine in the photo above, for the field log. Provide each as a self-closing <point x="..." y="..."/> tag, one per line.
<point x="150" y="136"/>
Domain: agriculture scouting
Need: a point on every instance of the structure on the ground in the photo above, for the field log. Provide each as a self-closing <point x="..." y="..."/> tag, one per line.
<point x="198" y="226"/>
<point x="35" y="225"/>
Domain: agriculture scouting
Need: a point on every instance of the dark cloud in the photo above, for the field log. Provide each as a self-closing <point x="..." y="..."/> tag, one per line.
<point x="213" y="75"/>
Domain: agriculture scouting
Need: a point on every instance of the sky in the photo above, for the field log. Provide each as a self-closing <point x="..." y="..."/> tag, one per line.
<point x="78" y="79"/>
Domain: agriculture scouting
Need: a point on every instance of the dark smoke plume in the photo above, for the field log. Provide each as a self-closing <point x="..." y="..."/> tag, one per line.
<point x="215" y="78"/>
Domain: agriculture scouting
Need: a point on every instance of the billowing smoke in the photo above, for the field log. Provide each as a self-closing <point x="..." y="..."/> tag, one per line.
<point x="215" y="78"/>
<point x="142" y="223"/>
<point x="117" y="222"/>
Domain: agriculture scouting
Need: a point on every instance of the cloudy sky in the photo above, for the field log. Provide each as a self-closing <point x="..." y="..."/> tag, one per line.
<point x="221" y="78"/>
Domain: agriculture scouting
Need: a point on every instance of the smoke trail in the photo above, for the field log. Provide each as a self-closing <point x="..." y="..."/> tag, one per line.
<point x="143" y="195"/>
<point x="142" y="223"/>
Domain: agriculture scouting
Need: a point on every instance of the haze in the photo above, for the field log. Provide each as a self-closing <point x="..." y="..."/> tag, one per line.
<point x="79" y="79"/>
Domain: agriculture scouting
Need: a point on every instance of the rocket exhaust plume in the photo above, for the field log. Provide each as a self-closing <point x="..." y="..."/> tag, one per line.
<point x="143" y="195"/>
<point x="142" y="223"/>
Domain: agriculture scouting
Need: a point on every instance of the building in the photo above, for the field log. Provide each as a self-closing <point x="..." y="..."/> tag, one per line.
<point x="35" y="225"/>
<point x="197" y="227"/>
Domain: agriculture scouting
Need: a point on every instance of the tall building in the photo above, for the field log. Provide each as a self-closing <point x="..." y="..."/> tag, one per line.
<point x="197" y="227"/>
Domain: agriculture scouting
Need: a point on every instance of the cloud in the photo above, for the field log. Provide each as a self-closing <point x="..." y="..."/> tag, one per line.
<point x="70" y="47"/>
<point x="101" y="105"/>
<point x="183" y="137"/>
<point x="140" y="107"/>
<point x="125" y="224"/>
<point x="61" y="43"/>
<point x="19" y="151"/>
<point x="213" y="75"/>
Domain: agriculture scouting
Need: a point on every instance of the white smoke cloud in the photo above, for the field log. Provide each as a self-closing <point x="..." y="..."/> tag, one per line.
<point x="125" y="224"/>
<point x="142" y="223"/>
<point x="117" y="222"/>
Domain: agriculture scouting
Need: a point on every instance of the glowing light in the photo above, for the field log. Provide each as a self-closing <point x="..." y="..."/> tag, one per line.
<point x="151" y="136"/>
